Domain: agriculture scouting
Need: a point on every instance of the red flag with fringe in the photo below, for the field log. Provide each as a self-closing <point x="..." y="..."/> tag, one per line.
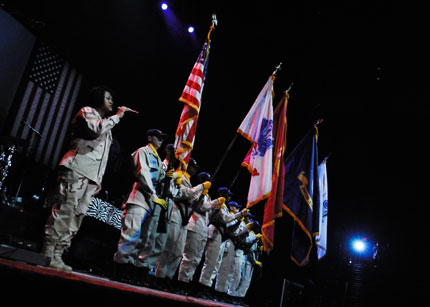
<point x="273" y="208"/>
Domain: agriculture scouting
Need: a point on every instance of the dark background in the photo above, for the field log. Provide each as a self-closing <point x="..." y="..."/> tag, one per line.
<point x="356" y="64"/>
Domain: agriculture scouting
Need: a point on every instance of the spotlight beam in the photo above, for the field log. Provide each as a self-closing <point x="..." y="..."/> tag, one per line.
<point x="359" y="246"/>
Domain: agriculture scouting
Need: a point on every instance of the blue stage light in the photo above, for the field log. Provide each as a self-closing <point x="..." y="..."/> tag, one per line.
<point x="359" y="245"/>
<point x="190" y="29"/>
<point x="360" y="248"/>
<point x="164" y="6"/>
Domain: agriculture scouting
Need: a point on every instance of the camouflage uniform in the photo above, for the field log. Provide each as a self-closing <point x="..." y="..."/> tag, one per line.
<point x="80" y="174"/>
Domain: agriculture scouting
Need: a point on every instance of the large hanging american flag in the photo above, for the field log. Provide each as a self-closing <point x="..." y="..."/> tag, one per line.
<point x="191" y="96"/>
<point x="46" y="105"/>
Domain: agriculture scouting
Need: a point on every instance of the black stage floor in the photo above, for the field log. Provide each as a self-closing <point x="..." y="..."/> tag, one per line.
<point x="23" y="283"/>
<point x="25" y="277"/>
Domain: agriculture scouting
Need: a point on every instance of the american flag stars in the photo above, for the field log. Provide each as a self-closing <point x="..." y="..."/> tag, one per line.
<point x="46" y="68"/>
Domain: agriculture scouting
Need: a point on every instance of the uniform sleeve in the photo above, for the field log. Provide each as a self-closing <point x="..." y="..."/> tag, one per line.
<point x="88" y="124"/>
<point x="189" y="194"/>
<point x="206" y="204"/>
<point x="227" y="216"/>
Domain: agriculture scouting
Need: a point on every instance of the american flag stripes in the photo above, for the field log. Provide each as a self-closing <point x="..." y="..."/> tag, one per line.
<point x="191" y="97"/>
<point x="46" y="105"/>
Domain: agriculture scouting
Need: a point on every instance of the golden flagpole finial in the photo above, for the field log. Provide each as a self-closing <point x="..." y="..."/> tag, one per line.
<point x="277" y="68"/>
<point x="319" y="121"/>
<point x="214" y="20"/>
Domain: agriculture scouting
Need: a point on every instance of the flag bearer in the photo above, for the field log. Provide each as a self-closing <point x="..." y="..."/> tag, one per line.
<point x="251" y="256"/>
<point x="217" y="227"/>
<point x="197" y="234"/>
<point x="184" y="195"/>
<point x="154" y="232"/>
<point x="142" y="200"/>
<point x="226" y="269"/>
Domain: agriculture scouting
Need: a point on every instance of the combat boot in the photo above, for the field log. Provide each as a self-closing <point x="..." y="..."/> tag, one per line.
<point x="57" y="260"/>
<point x="181" y="287"/>
<point x="205" y="292"/>
<point x="48" y="249"/>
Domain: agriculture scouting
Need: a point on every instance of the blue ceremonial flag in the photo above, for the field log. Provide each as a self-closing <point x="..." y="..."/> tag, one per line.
<point x="301" y="195"/>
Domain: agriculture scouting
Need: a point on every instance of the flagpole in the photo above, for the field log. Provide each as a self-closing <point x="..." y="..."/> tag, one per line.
<point x="277" y="68"/>
<point x="328" y="156"/>
<point x="214" y="20"/>
<point x="224" y="155"/>
<point x="235" y="177"/>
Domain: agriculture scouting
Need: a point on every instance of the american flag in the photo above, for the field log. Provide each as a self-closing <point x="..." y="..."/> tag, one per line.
<point x="46" y="105"/>
<point x="191" y="96"/>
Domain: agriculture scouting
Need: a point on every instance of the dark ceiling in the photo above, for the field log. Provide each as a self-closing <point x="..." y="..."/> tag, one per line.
<point x="353" y="63"/>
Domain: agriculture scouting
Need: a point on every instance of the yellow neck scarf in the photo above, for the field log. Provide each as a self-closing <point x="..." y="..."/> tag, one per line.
<point x="153" y="149"/>
<point x="187" y="176"/>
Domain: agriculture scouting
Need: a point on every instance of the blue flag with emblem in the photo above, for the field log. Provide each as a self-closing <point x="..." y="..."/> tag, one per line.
<point x="301" y="195"/>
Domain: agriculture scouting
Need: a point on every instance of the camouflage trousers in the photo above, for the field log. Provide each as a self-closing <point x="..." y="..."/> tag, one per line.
<point x="73" y="197"/>
<point x="132" y="219"/>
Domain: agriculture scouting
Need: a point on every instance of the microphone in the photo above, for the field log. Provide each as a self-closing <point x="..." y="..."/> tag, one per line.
<point x="133" y="111"/>
<point x="128" y="109"/>
<point x="31" y="128"/>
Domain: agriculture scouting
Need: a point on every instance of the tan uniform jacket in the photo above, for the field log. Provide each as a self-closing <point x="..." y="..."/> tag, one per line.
<point x="226" y="217"/>
<point x="184" y="196"/>
<point x="149" y="168"/>
<point x="199" y="221"/>
<point x="91" y="141"/>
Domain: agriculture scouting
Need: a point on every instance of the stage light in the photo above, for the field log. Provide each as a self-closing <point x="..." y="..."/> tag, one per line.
<point x="190" y="29"/>
<point x="360" y="248"/>
<point x="359" y="245"/>
<point x="164" y="6"/>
